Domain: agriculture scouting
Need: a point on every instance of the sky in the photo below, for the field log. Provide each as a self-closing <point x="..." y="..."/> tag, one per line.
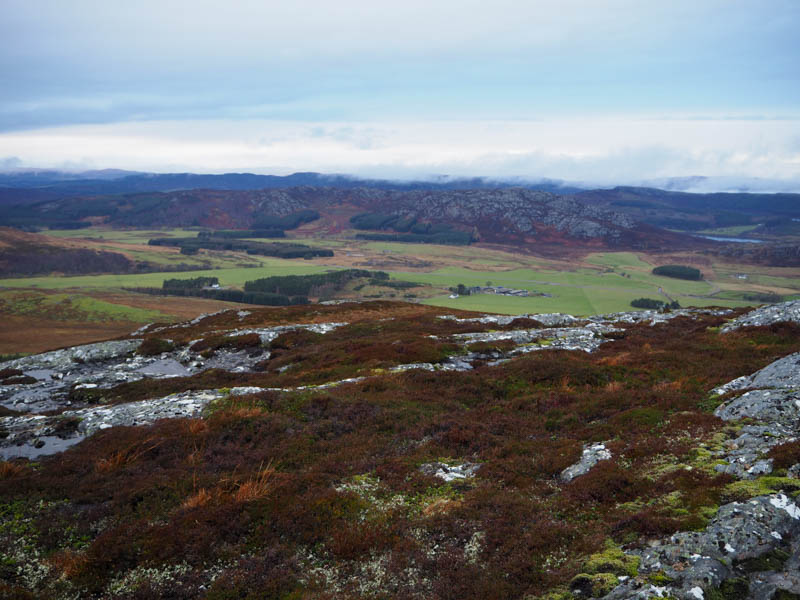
<point x="618" y="91"/>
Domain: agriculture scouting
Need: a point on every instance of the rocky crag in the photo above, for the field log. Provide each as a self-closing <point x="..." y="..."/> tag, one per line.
<point x="750" y="549"/>
<point x="507" y="215"/>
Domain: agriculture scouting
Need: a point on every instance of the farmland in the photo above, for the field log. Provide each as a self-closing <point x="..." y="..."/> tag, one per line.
<point x="599" y="282"/>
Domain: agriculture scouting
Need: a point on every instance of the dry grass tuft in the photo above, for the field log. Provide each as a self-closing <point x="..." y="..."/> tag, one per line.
<point x="68" y="562"/>
<point x="665" y="386"/>
<point x="256" y="487"/>
<point x="440" y="506"/>
<point x="247" y="412"/>
<point x="197" y="426"/>
<point x="201" y="498"/>
<point x="120" y="458"/>
<point x="10" y="469"/>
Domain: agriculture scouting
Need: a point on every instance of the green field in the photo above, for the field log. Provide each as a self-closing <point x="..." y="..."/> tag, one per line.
<point x="729" y="231"/>
<point x="618" y="260"/>
<point x="72" y="307"/>
<point x="126" y="236"/>
<point x="575" y="301"/>
<point x="233" y="277"/>
<point x="602" y="282"/>
<point x="534" y="280"/>
<point x="580" y="292"/>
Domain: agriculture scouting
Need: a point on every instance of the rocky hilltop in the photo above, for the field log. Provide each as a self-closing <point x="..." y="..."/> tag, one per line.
<point x="366" y="450"/>
<point x="506" y="215"/>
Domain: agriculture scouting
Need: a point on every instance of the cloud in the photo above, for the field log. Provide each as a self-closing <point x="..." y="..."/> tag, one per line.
<point x="313" y="60"/>
<point x="597" y="151"/>
<point x="10" y="162"/>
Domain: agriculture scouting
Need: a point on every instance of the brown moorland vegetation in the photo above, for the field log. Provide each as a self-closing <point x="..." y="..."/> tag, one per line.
<point x="319" y="494"/>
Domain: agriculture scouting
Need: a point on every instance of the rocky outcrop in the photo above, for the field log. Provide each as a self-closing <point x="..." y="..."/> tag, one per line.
<point x="654" y="317"/>
<point x="546" y="319"/>
<point x="587" y="338"/>
<point x="450" y="472"/>
<point x="772" y="407"/>
<point x="65" y="359"/>
<point x="766" y="315"/>
<point x="511" y="210"/>
<point x="592" y="454"/>
<point x="751" y="547"/>
<point x="34" y="436"/>
<point x="73" y="381"/>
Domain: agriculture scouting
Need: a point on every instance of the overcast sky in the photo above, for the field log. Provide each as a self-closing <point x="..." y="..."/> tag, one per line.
<point x="583" y="90"/>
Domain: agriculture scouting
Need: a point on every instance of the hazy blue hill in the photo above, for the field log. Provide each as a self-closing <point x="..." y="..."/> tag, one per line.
<point x="48" y="185"/>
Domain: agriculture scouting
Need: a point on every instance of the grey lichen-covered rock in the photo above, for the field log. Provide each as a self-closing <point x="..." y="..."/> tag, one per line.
<point x="781" y="406"/>
<point x="767" y="315"/>
<point x="781" y="374"/>
<point x="450" y="472"/>
<point x="65" y="359"/>
<point x="75" y="381"/>
<point x="267" y="334"/>
<point x="592" y="455"/>
<point x="751" y="543"/>
<point x="654" y="317"/>
<point x="451" y="364"/>
<point x="33" y="436"/>
<point x="546" y="319"/>
<point x="587" y="338"/>
<point x="555" y="319"/>
<point x="107" y="364"/>
<point x="775" y="408"/>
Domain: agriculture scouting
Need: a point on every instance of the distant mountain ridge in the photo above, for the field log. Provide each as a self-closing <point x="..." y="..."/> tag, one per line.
<point x="33" y="186"/>
<point x="544" y="213"/>
<point x="514" y="216"/>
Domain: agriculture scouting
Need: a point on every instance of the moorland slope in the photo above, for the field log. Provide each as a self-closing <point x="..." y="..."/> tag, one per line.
<point x="364" y="450"/>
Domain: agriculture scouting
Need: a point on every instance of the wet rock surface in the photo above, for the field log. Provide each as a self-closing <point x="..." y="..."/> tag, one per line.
<point x="773" y="413"/>
<point x="754" y="545"/>
<point x="767" y="315"/>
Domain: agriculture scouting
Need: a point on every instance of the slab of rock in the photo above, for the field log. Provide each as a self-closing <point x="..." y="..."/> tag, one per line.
<point x="587" y="338"/>
<point x="775" y="408"/>
<point x="699" y="561"/>
<point x="61" y="360"/>
<point x="592" y="454"/>
<point x="655" y="317"/>
<point x="783" y="373"/>
<point x="33" y="436"/>
<point x="450" y="472"/>
<point x="546" y="319"/>
<point x="766" y="315"/>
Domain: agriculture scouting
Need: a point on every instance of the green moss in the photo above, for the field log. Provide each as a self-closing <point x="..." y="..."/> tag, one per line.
<point x="739" y="491"/>
<point x="612" y="560"/>
<point x="771" y="561"/>
<point x="659" y="578"/>
<point x="596" y="585"/>
<point x="736" y="588"/>
<point x="559" y="593"/>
